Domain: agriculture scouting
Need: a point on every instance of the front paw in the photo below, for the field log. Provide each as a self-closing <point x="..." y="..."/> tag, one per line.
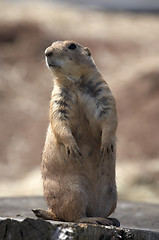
<point x="74" y="153"/>
<point x="106" y="150"/>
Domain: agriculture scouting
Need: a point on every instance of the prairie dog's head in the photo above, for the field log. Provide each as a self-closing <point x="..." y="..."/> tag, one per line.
<point x="69" y="58"/>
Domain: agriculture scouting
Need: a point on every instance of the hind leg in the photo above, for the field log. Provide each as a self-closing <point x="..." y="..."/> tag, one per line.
<point x="68" y="211"/>
<point x="44" y="214"/>
<point x="66" y="202"/>
<point x="48" y="215"/>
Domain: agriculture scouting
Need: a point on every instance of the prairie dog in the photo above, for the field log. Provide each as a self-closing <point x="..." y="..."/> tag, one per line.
<point x="78" y="163"/>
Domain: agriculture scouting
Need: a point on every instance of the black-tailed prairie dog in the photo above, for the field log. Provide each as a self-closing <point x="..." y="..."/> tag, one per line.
<point x="78" y="163"/>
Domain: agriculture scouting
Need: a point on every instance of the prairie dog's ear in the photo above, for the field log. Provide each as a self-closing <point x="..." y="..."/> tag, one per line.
<point x="87" y="51"/>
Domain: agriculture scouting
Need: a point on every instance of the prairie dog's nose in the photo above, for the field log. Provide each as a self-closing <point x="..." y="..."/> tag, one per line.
<point x="48" y="52"/>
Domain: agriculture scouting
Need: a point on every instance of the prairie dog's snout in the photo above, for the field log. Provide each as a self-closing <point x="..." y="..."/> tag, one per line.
<point x="48" y="52"/>
<point x="49" y="56"/>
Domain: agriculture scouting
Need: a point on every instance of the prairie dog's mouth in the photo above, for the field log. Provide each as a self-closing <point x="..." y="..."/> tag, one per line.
<point x="50" y="64"/>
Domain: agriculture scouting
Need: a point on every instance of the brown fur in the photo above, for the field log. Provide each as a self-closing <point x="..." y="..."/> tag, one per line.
<point x="78" y="163"/>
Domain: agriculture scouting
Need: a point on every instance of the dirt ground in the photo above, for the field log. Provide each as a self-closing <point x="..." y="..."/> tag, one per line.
<point x="126" y="50"/>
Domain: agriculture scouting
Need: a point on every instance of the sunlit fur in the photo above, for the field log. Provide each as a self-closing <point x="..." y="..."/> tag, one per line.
<point x="78" y="163"/>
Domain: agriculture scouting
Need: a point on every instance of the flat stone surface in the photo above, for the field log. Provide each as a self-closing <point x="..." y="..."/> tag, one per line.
<point x="138" y="215"/>
<point x="131" y="214"/>
<point x="30" y="229"/>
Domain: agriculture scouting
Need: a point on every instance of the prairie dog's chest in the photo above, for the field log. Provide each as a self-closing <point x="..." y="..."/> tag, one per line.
<point x="83" y="121"/>
<point x="84" y="102"/>
<point x="94" y="99"/>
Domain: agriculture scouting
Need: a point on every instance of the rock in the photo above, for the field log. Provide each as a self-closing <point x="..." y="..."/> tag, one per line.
<point x="18" y="223"/>
<point x="30" y="229"/>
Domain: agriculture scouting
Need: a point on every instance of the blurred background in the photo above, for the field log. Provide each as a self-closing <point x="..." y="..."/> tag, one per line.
<point x="123" y="37"/>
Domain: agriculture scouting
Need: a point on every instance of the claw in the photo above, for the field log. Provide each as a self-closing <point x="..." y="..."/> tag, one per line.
<point x="102" y="154"/>
<point x="68" y="151"/>
<point x="80" y="155"/>
<point x="74" y="155"/>
<point x="112" y="148"/>
<point x="106" y="150"/>
<point x="74" y="152"/>
<point x="115" y="222"/>
<point x="37" y="212"/>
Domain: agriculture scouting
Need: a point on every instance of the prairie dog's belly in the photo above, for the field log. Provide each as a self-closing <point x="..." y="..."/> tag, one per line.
<point x="92" y="169"/>
<point x="55" y="157"/>
<point x="84" y="125"/>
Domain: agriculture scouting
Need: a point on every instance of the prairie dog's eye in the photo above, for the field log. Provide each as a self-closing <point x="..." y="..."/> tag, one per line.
<point x="72" y="46"/>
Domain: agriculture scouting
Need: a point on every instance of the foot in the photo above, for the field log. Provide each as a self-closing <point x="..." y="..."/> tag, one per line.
<point x="115" y="222"/>
<point x="47" y="215"/>
<point x="100" y="221"/>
